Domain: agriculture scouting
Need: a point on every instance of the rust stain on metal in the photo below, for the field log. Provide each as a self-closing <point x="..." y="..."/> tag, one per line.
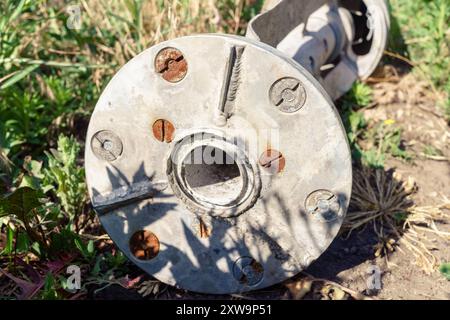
<point x="257" y="267"/>
<point x="272" y="160"/>
<point x="171" y="64"/>
<point x="163" y="130"/>
<point x="144" y="245"/>
<point x="204" y="231"/>
<point x="255" y="275"/>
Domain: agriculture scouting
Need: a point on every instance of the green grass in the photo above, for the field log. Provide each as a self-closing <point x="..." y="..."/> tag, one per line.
<point x="371" y="143"/>
<point x="51" y="77"/>
<point x="445" y="270"/>
<point x="421" y="31"/>
<point x="430" y="150"/>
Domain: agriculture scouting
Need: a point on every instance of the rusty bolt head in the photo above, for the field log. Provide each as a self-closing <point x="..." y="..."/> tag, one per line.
<point x="163" y="130"/>
<point x="171" y="64"/>
<point x="248" y="271"/>
<point x="144" y="245"/>
<point x="272" y="161"/>
<point x="323" y="204"/>
<point x="106" y="145"/>
<point x="288" y="94"/>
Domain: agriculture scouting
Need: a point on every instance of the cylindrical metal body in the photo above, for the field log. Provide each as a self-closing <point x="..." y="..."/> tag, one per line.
<point x="336" y="41"/>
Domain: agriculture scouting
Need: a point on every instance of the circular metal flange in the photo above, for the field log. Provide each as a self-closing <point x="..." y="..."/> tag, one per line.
<point x="259" y="231"/>
<point x="218" y="204"/>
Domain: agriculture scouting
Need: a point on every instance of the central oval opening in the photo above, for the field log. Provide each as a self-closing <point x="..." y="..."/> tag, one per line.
<point x="213" y="175"/>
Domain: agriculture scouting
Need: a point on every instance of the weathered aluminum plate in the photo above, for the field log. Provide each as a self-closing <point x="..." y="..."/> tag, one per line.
<point x="272" y="237"/>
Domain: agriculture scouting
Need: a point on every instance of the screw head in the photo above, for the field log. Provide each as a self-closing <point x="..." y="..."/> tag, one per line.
<point x="144" y="245"/>
<point x="163" y="130"/>
<point x="171" y="64"/>
<point x="272" y="161"/>
<point x="288" y="94"/>
<point x="248" y="271"/>
<point x="106" y="145"/>
<point x="323" y="204"/>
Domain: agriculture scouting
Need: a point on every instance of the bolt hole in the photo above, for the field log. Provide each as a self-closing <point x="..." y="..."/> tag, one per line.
<point x="144" y="245"/>
<point x="248" y="271"/>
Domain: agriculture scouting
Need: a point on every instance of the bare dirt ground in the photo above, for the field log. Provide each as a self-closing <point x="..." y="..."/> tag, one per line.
<point x="410" y="103"/>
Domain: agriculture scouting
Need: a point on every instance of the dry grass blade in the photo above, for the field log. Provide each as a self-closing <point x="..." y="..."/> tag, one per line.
<point x="377" y="195"/>
<point x="381" y="199"/>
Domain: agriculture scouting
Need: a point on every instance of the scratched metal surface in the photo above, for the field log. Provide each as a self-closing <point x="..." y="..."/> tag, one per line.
<point x="276" y="231"/>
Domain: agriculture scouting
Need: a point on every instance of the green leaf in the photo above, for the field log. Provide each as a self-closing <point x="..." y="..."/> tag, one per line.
<point x="18" y="76"/>
<point x="87" y="251"/>
<point x="64" y="241"/>
<point x="19" y="203"/>
<point x="64" y="177"/>
<point x="34" y="168"/>
<point x="36" y="247"/>
<point x="9" y="241"/>
<point x="17" y="11"/>
<point x="23" y="242"/>
<point x="90" y="247"/>
<point x="115" y="261"/>
<point x="360" y="95"/>
<point x="97" y="267"/>
<point x="8" y="19"/>
<point x="373" y="159"/>
<point x="80" y="246"/>
<point x="357" y="121"/>
<point x="445" y="270"/>
<point x="49" y="290"/>
<point x="30" y="182"/>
